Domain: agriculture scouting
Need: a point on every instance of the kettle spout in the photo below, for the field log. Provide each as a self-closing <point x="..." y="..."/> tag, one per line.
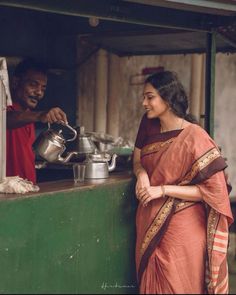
<point x="112" y="166"/>
<point x="67" y="158"/>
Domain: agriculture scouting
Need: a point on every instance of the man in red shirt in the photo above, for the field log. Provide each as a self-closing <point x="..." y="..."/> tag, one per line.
<point x="28" y="87"/>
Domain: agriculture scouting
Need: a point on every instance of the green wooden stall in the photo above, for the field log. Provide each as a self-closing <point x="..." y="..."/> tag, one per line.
<point x="74" y="240"/>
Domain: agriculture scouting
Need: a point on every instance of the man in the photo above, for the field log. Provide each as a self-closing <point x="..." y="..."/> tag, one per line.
<point x="28" y="87"/>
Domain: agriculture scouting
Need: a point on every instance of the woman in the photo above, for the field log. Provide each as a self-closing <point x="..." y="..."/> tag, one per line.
<point x="184" y="209"/>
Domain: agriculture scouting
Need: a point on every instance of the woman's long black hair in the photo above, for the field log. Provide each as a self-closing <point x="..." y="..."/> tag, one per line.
<point x="172" y="92"/>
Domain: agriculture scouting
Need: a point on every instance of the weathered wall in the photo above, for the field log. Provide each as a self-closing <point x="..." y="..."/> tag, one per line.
<point x="86" y="94"/>
<point x="225" y="110"/>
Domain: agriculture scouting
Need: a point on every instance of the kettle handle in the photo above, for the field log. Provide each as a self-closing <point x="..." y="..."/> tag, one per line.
<point x="69" y="127"/>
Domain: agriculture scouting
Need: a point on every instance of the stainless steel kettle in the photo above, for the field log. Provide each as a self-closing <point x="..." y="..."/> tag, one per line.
<point x="50" y="144"/>
<point x="97" y="165"/>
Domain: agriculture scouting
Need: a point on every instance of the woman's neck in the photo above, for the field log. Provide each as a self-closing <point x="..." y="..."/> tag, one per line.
<point x="171" y="122"/>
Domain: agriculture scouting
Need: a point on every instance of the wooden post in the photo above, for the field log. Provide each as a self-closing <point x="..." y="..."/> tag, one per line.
<point x="202" y="99"/>
<point x="101" y="92"/>
<point x="113" y="109"/>
<point x="210" y="83"/>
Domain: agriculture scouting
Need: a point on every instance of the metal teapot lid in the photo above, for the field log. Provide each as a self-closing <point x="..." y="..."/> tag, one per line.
<point x="84" y="143"/>
<point x="57" y="136"/>
<point x="82" y="133"/>
<point x="99" y="157"/>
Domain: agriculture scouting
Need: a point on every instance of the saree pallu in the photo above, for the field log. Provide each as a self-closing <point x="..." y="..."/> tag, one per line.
<point x="181" y="246"/>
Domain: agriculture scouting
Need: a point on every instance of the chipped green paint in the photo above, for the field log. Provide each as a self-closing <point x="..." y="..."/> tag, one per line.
<point x="75" y="242"/>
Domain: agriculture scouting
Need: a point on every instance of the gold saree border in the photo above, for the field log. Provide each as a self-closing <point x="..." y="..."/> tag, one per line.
<point x="215" y="284"/>
<point x="154" y="234"/>
<point x="155" y="147"/>
<point x="200" y="164"/>
<point x="183" y="205"/>
<point x="156" y="224"/>
<point x="160" y="219"/>
<point x="213" y="219"/>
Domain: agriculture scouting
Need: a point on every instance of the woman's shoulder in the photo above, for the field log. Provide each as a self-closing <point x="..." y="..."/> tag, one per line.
<point x="195" y="129"/>
<point x="197" y="134"/>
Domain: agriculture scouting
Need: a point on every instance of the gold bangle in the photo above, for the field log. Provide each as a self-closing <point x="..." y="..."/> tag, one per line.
<point x="163" y="191"/>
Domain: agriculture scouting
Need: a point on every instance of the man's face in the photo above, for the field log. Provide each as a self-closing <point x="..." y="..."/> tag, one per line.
<point x="30" y="88"/>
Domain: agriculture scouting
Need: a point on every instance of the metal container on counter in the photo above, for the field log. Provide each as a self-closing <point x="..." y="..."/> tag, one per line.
<point x="97" y="165"/>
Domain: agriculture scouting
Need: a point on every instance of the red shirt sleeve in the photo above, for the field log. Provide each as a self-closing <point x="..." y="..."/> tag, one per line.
<point x="20" y="155"/>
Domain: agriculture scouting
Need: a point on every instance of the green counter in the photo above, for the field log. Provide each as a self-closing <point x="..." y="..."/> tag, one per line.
<point x="69" y="239"/>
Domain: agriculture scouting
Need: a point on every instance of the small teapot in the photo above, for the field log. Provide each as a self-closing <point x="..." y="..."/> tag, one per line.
<point x="97" y="165"/>
<point x="50" y="144"/>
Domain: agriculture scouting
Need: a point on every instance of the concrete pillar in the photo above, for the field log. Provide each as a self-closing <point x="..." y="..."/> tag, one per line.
<point x="113" y="102"/>
<point x="100" y="111"/>
<point x="85" y="75"/>
<point x="196" y="85"/>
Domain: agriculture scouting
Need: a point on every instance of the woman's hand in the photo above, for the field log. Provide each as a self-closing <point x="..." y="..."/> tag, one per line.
<point x="141" y="174"/>
<point x="150" y="193"/>
<point x="142" y="182"/>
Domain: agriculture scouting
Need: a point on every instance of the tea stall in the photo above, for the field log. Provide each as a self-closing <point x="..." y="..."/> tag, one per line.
<point x="80" y="238"/>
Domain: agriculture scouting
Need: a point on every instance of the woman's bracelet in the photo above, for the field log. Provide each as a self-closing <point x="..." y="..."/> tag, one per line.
<point x="163" y="191"/>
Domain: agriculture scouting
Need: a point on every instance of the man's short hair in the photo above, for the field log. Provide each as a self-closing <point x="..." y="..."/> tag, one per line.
<point x="30" y="64"/>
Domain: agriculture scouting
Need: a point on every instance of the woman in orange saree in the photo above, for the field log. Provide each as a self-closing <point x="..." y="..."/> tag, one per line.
<point x="184" y="210"/>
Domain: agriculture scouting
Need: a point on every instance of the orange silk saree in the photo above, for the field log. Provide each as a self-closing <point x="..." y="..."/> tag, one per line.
<point x="181" y="246"/>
